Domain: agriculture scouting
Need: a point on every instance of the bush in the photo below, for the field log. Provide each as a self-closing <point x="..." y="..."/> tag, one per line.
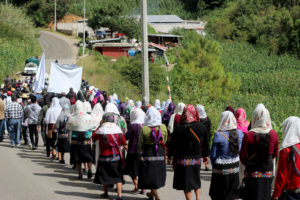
<point x="272" y="25"/>
<point x="131" y="69"/>
<point x="18" y="40"/>
<point x="199" y="74"/>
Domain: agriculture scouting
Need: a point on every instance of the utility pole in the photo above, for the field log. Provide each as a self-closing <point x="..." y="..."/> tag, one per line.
<point x="145" y="74"/>
<point x="83" y="28"/>
<point x="54" y="15"/>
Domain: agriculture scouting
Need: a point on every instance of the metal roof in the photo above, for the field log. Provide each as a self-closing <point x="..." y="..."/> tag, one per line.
<point x="162" y="19"/>
<point x="165" y="35"/>
<point x="105" y="40"/>
<point x="113" y="45"/>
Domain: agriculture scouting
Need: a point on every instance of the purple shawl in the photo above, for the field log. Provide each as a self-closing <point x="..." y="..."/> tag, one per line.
<point x="167" y="115"/>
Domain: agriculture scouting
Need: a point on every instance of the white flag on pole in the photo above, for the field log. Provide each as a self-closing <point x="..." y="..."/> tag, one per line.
<point x="39" y="83"/>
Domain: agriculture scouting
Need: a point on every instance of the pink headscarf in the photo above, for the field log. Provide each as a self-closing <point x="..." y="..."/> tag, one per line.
<point x="190" y="114"/>
<point x="241" y="120"/>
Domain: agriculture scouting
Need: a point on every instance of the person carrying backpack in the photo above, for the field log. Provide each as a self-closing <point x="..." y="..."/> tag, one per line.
<point x="287" y="184"/>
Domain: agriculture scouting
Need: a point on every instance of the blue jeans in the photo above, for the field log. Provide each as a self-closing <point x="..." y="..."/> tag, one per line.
<point x="2" y="122"/>
<point x="14" y="126"/>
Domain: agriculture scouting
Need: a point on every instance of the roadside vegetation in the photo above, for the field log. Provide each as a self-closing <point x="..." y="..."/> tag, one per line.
<point x="18" y="40"/>
<point x="123" y="76"/>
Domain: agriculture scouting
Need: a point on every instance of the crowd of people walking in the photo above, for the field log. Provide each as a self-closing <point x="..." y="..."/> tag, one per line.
<point x="127" y="138"/>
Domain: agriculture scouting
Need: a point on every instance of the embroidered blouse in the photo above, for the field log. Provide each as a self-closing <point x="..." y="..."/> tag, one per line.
<point x="220" y="152"/>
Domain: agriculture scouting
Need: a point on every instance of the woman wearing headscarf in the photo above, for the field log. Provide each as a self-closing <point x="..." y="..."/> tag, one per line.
<point x="51" y="117"/>
<point x="189" y="144"/>
<point x="163" y="107"/>
<point x="137" y="117"/>
<point x="129" y="107"/>
<point x="241" y="120"/>
<point x="242" y="124"/>
<point x="167" y="115"/>
<point x="175" y="117"/>
<point x="260" y="146"/>
<point x="97" y="114"/>
<point x="225" y="159"/>
<point x="204" y="119"/>
<point x="138" y="104"/>
<point x="119" y="120"/>
<point x="81" y="125"/>
<point x="287" y="184"/>
<point x="110" y="162"/>
<point x="152" y="169"/>
<point x="63" y="143"/>
<point x="157" y="104"/>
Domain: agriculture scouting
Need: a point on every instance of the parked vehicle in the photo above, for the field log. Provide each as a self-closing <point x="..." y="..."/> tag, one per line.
<point x="100" y="34"/>
<point x="31" y="66"/>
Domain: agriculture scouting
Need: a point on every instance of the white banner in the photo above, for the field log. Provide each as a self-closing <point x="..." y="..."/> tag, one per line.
<point x="63" y="78"/>
<point x="39" y="82"/>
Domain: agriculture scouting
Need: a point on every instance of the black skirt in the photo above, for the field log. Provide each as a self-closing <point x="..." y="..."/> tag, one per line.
<point x="109" y="170"/>
<point x="81" y="151"/>
<point x="187" y="173"/>
<point x="132" y="165"/>
<point x="224" y="182"/>
<point x="152" y="168"/>
<point x="259" y="186"/>
<point x="63" y="145"/>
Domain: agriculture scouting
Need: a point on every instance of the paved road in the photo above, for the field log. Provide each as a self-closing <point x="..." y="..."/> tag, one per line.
<point x="58" y="47"/>
<point x="29" y="175"/>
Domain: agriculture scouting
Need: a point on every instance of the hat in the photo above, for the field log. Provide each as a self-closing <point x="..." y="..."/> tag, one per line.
<point x="63" y="93"/>
<point x="24" y="96"/>
<point x="9" y="93"/>
<point x="13" y="89"/>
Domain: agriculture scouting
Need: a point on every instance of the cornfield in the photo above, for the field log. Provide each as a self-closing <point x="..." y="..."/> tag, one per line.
<point x="266" y="78"/>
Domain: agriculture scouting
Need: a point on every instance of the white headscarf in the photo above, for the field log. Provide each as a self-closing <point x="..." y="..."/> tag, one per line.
<point x="137" y="116"/>
<point x="97" y="114"/>
<point x="111" y="107"/>
<point x="130" y="104"/>
<point x="109" y="128"/>
<point x="153" y="117"/>
<point x="115" y="96"/>
<point x="261" y="120"/>
<point x="112" y="100"/>
<point x="80" y="120"/>
<point x="201" y="111"/>
<point x="53" y="112"/>
<point x="87" y="107"/>
<point x="291" y="132"/>
<point x="178" y="110"/>
<point x="227" y="121"/>
<point x="138" y="104"/>
<point x="168" y="103"/>
<point x="163" y="105"/>
<point x="157" y="104"/>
